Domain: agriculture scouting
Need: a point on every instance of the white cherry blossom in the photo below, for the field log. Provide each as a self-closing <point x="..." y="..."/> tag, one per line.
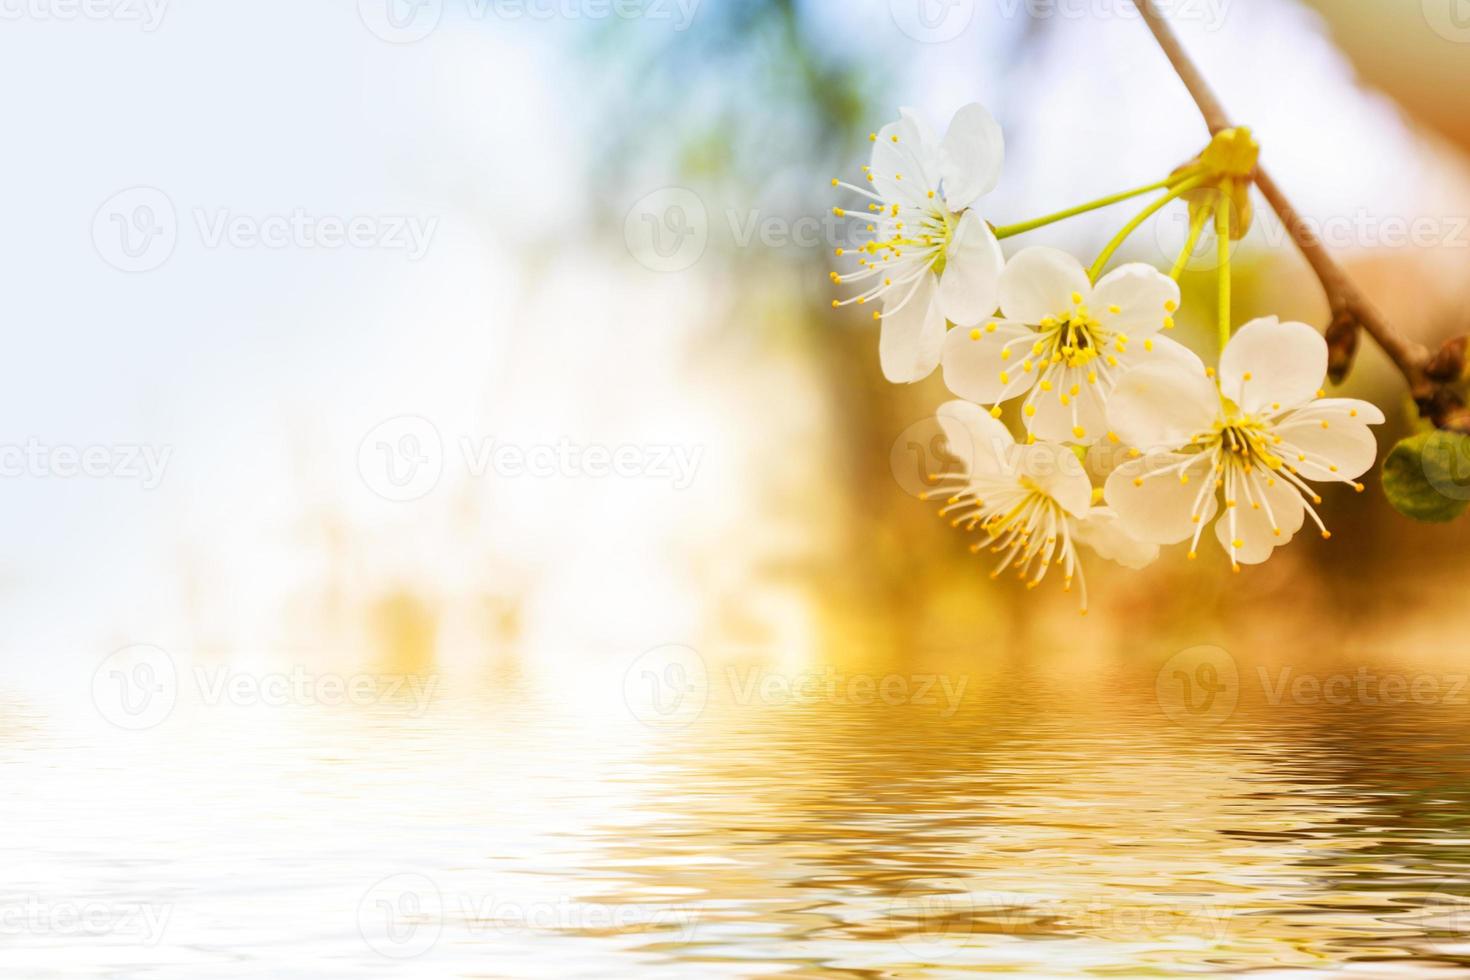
<point x="1257" y="438"/>
<point x="932" y="257"/>
<point x="1032" y="503"/>
<point x="1062" y="342"/>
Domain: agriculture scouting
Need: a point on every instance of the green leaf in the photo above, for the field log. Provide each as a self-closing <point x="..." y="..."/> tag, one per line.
<point x="1427" y="476"/>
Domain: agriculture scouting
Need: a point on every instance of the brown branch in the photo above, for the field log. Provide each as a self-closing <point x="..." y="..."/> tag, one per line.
<point x="1351" y="310"/>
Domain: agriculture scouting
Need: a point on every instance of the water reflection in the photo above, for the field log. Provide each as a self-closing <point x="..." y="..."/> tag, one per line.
<point x="975" y="812"/>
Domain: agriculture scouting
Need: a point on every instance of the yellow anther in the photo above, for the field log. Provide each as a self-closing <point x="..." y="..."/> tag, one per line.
<point x="1079" y="432"/>
<point x="975" y="334"/>
<point x="839" y="212"/>
<point x="995" y="412"/>
<point x="990" y="328"/>
<point x="1115" y="309"/>
<point x="1005" y="378"/>
<point x="1113" y="437"/>
<point x="1171" y="306"/>
<point x="1168" y="323"/>
<point x="1030" y="410"/>
<point x="1076" y="298"/>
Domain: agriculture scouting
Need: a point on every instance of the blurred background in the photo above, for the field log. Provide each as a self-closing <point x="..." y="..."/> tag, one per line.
<point x="487" y="344"/>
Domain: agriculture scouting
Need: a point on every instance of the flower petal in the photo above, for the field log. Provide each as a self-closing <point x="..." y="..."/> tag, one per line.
<point x="1323" y="450"/>
<point x="1040" y="282"/>
<point x="1143" y="297"/>
<point x="1064" y="417"/>
<point x="1154" y="504"/>
<point x="1264" y="518"/>
<point x="1159" y="349"/>
<point x="1057" y="472"/>
<point x="1286" y="363"/>
<point x="1160" y="405"/>
<point x="979" y="441"/>
<point x="1339" y="410"/>
<point x="973" y="361"/>
<point x="971" y="156"/>
<point x="904" y="168"/>
<point x="911" y="338"/>
<point x="969" y="290"/>
<point x="1103" y="532"/>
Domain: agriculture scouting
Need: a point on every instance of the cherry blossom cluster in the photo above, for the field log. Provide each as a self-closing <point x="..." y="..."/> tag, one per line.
<point x="1129" y="440"/>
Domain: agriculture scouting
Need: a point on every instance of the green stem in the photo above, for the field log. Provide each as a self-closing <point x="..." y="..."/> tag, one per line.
<point x="1132" y="226"/>
<point x="1196" y="229"/>
<point x="1009" y="231"/>
<point x="1222" y="231"/>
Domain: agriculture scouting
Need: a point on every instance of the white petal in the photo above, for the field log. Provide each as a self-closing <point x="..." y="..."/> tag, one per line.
<point x="905" y="169"/>
<point x="979" y="441"/>
<point x="1339" y="410"/>
<point x="911" y="339"/>
<point x="1159" y="406"/>
<point x="973" y="363"/>
<point x="969" y="290"/>
<point x="1347" y="445"/>
<point x="1057" y="472"/>
<point x="1260" y="512"/>
<point x="972" y="155"/>
<point x="1154" y="504"/>
<point x="1104" y="533"/>
<point x="1286" y="363"/>
<point x="1040" y="282"/>
<point x="1082" y="419"/>
<point x="1160" y="349"/>
<point x="1143" y="296"/>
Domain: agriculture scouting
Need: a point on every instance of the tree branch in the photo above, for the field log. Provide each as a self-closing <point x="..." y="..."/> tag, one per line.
<point x="1351" y="310"/>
